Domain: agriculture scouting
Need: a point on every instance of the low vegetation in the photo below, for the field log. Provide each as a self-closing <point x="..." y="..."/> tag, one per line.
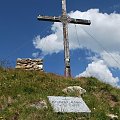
<point x="19" y="88"/>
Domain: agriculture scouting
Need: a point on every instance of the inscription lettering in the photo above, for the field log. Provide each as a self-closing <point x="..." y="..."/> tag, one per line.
<point x="68" y="104"/>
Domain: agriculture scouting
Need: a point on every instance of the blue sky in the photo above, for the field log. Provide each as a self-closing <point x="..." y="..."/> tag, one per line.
<point x="19" y="27"/>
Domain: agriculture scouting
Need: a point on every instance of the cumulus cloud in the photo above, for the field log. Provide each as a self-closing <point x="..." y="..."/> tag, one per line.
<point x="114" y="61"/>
<point x="48" y="45"/>
<point x="105" y="28"/>
<point x="35" y="55"/>
<point x="111" y="59"/>
<point x="99" y="70"/>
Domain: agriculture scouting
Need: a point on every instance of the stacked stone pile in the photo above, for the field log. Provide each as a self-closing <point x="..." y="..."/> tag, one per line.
<point x="29" y="64"/>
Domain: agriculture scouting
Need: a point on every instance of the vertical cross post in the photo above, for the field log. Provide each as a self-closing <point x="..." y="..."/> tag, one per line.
<point x="67" y="71"/>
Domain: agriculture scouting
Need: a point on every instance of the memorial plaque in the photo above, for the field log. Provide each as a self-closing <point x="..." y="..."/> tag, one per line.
<point x="68" y="104"/>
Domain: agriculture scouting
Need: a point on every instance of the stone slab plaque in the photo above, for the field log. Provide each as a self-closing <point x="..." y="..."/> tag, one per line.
<point x="68" y="104"/>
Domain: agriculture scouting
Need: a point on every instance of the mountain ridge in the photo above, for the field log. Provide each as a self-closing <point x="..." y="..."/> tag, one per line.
<point x="19" y="88"/>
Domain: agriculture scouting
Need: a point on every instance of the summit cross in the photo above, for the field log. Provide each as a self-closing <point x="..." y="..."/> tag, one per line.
<point x="65" y="19"/>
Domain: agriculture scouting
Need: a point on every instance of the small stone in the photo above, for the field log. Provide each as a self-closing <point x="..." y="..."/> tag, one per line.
<point x="1" y="118"/>
<point x="9" y="100"/>
<point x="112" y="116"/>
<point x="39" y="104"/>
<point x="18" y="95"/>
<point x="74" y="89"/>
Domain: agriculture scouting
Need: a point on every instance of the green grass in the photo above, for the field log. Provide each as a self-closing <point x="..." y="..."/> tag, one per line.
<point x="24" y="87"/>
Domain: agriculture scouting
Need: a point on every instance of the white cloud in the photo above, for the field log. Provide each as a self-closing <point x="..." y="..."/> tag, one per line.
<point x="35" y="55"/>
<point x="111" y="59"/>
<point x="50" y="44"/>
<point x="99" y="70"/>
<point x="105" y="28"/>
<point x="115" y="7"/>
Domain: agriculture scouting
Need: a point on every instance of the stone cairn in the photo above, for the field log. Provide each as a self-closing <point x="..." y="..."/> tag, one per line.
<point x="29" y="64"/>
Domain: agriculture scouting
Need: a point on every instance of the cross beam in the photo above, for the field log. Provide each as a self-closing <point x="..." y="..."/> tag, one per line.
<point x="59" y="19"/>
<point x="65" y="19"/>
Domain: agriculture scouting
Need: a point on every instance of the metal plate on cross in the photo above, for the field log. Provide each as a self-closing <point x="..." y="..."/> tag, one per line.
<point x="68" y="104"/>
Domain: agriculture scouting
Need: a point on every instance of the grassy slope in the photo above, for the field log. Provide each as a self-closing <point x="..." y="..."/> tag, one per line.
<point x="24" y="87"/>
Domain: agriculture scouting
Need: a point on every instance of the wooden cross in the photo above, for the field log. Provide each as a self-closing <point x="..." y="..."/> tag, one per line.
<point x="65" y="19"/>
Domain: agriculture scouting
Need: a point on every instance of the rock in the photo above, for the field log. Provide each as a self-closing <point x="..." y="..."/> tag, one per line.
<point x="39" y="104"/>
<point x="112" y="116"/>
<point x="10" y="101"/>
<point x="77" y="90"/>
<point x="1" y="118"/>
<point x="6" y="101"/>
